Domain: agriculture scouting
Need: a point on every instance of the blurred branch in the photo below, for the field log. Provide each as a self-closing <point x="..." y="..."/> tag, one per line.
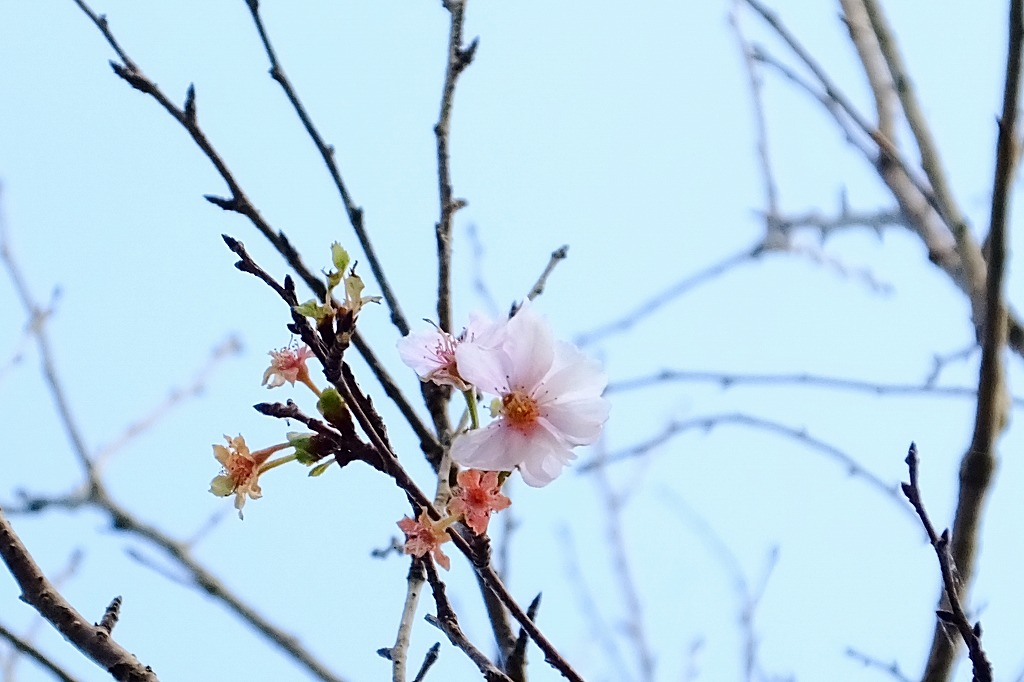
<point x="230" y="347"/>
<point x="954" y="585"/>
<point x="978" y="465"/>
<point x="931" y="163"/>
<point x="893" y="669"/>
<point x="659" y="300"/>
<point x="613" y="502"/>
<point x="756" y="85"/>
<point x="598" y="629"/>
<point x="24" y="647"/>
<point x="936" y="220"/>
<point x="708" y="423"/>
<point x="748" y="595"/>
<point x="729" y="380"/>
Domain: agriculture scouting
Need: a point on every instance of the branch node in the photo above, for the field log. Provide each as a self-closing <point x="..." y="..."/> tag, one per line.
<point x="190" y="104"/>
<point x="110" y="615"/>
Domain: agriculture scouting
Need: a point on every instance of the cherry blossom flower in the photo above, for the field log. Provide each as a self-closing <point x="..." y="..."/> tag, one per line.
<point x="426" y="535"/>
<point x="549" y="400"/>
<point x="289" y="364"/>
<point x="431" y="353"/>
<point x="241" y="470"/>
<point x="477" y="495"/>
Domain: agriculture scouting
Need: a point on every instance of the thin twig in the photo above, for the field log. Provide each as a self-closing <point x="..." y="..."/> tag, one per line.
<point x="954" y="587"/>
<point x="448" y="623"/>
<point x="656" y="302"/>
<point x="238" y="202"/>
<point x="557" y="256"/>
<point x="613" y="502"/>
<point x="730" y="380"/>
<point x="852" y="466"/>
<point x="23" y="646"/>
<point x="458" y="58"/>
<point x="893" y="669"/>
<point x="756" y="87"/>
<point x="327" y="153"/>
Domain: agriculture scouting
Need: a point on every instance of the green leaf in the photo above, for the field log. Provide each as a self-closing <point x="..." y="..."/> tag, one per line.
<point x="313" y="309"/>
<point x="320" y="468"/>
<point x="340" y="258"/>
<point x="302" y="443"/>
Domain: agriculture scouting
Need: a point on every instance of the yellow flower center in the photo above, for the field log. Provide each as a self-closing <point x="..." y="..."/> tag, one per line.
<point x="520" y="410"/>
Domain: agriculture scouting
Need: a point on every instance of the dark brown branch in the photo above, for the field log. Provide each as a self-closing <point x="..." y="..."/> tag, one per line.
<point x="238" y="202"/>
<point x="428" y="443"/>
<point x="473" y="547"/>
<point x="92" y="640"/>
<point x="954" y="584"/>
<point x="978" y="465"/>
<point x="448" y="623"/>
<point x="429" y="659"/>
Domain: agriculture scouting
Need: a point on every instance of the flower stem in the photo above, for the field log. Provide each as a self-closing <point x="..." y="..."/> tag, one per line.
<point x="278" y="462"/>
<point x="474" y="417"/>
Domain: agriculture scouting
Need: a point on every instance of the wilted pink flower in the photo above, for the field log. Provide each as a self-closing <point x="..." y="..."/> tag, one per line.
<point x="287" y="364"/>
<point x="477" y="495"/>
<point x="549" y="400"/>
<point x="425" y="535"/>
<point x="431" y="353"/>
<point x="241" y="470"/>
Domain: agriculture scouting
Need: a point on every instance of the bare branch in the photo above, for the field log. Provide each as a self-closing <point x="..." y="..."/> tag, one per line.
<point x="458" y="59"/>
<point x="954" y="585"/>
<point x="93" y="641"/>
<point x="978" y="464"/>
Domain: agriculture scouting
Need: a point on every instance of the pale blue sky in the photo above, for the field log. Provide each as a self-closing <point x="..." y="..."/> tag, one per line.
<point x="623" y="131"/>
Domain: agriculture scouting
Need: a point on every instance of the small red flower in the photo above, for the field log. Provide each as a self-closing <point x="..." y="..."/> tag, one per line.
<point x="477" y="495"/>
<point x="425" y="535"/>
